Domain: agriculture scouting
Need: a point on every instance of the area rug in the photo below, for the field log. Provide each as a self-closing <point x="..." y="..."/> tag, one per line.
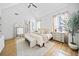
<point x="23" y="48"/>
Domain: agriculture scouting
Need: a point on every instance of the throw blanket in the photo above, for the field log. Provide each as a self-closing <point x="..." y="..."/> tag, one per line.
<point x="46" y="37"/>
<point x="39" y="39"/>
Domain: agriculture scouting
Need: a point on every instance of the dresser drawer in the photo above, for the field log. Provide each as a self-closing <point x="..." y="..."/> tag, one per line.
<point x="58" y="37"/>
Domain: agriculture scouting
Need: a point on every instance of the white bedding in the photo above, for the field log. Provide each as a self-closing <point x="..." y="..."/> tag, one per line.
<point x="31" y="39"/>
<point x="40" y="38"/>
<point x="46" y="37"/>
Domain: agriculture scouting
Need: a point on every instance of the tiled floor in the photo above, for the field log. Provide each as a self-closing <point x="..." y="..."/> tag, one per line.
<point x="59" y="49"/>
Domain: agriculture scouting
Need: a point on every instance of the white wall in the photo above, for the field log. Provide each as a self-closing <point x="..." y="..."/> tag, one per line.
<point x="0" y="23"/>
<point x="0" y="20"/>
<point x="9" y="18"/>
<point x="0" y="12"/>
<point x="46" y="20"/>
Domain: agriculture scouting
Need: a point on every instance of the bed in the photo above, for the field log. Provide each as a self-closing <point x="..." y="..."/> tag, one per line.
<point x="39" y="39"/>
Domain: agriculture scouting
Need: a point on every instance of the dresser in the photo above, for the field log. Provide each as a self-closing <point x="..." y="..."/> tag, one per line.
<point x="58" y="36"/>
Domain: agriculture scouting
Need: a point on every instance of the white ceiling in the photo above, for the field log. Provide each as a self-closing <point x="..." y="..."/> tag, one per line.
<point x="47" y="8"/>
<point x="6" y="5"/>
<point x="44" y="8"/>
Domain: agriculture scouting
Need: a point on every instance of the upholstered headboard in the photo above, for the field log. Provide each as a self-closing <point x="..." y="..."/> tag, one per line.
<point x="44" y="31"/>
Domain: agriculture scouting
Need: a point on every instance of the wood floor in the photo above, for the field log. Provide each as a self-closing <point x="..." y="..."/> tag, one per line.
<point x="10" y="48"/>
<point x="59" y="49"/>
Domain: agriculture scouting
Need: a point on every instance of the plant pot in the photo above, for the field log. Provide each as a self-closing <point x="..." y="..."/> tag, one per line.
<point x="73" y="46"/>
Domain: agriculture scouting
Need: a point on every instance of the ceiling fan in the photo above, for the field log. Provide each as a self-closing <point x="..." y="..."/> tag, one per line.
<point x="31" y="4"/>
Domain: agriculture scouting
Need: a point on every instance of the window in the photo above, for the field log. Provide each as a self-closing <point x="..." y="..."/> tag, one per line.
<point x="38" y="25"/>
<point x="60" y="22"/>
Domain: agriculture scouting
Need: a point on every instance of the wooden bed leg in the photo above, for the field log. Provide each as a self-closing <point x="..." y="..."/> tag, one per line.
<point x="43" y="45"/>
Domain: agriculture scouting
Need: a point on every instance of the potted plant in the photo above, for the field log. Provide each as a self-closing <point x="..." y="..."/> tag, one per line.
<point x="73" y="26"/>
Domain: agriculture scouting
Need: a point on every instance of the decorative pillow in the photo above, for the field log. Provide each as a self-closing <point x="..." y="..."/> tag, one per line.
<point x="44" y="31"/>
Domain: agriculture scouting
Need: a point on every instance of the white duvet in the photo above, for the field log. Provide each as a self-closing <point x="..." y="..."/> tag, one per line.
<point x="40" y="38"/>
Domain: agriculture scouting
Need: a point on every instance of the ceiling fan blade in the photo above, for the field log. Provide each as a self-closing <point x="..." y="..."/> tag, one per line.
<point x="34" y="5"/>
<point x="29" y="6"/>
